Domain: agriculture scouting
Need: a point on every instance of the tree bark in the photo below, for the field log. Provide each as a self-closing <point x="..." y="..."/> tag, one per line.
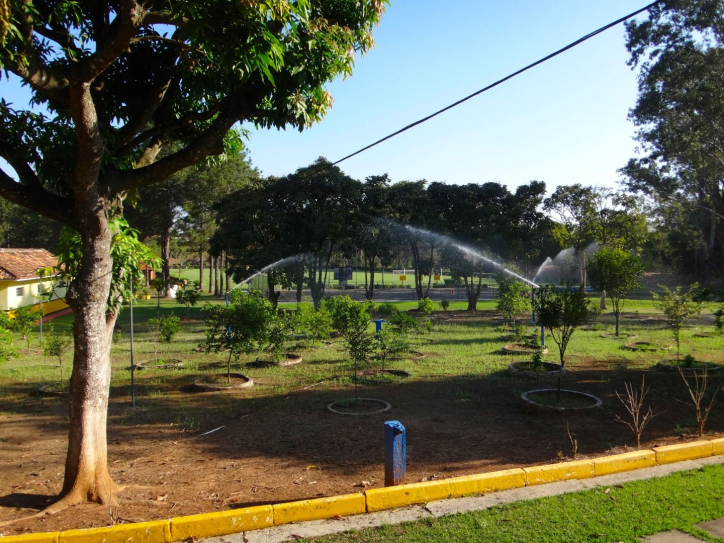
<point x="211" y="270"/>
<point x="227" y="275"/>
<point x="165" y="264"/>
<point x="603" y="299"/>
<point x="86" y="467"/>
<point x="217" y="288"/>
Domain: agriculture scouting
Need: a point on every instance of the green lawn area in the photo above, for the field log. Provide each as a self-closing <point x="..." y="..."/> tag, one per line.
<point x="620" y="513"/>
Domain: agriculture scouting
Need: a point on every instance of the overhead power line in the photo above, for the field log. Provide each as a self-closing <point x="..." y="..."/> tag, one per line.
<point x="500" y="81"/>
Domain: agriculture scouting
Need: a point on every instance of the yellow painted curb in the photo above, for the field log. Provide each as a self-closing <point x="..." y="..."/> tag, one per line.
<point x="682" y="451"/>
<point x="142" y="532"/>
<point x="486" y="482"/>
<point x="43" y="537"/>
<point x="400" y="496"/>
<point x="348" y="504"/>
<point x="717" y="446"/>
<point x="222" y="523"/>
<point x="624" y="462"/>
<point x="578" y="469"/>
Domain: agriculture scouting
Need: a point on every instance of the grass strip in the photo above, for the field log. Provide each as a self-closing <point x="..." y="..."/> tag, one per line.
<point x="619" y="513"/>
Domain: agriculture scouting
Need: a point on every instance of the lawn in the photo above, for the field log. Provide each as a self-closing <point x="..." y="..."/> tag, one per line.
<point x="276" y="441"/>
<point x="619" y="513"/>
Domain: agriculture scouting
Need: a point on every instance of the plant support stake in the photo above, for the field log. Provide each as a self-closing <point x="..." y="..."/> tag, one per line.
<point x="133" y="366"/>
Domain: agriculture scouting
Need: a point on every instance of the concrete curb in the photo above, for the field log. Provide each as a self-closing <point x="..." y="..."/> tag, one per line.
<point x="378" y="499"/>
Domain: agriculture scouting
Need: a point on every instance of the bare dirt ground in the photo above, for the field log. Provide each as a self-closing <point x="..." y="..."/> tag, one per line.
<point x="282" y="448"/>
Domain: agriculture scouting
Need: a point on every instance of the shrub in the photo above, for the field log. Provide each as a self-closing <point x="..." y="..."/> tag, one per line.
<point x="445" y="304"/>
<point x="513" y="299"/>
<point x="688" y="361"/>
<point x="57" y="345"/>
<point x="426" y="305"/>
<point x="678" y="306"/>
<point x="7" y="346"/>
<point x="316" y="323"/>
<point x="24" y="318"/>
<point x="168" y="327"/>
<point x="390" y="343"/>
<point x="719" y="319"/>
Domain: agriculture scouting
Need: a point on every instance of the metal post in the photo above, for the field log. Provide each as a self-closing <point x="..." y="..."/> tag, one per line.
<point x="133" y="366"/>
<point x="378" y="325"/>
<point x="395" y="445"/>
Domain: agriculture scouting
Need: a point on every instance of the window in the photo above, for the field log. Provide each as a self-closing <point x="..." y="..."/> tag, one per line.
<point x="19" y="291"/>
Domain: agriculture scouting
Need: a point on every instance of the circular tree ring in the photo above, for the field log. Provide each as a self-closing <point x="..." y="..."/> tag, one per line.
<point x="521" y="348"/>
<point x="673" y="366"/>
<point x="621" y="335"/>
<point x="526" y="369"/>
<point x="200" y="386"/>
<point x="152" y="365"/>
<point x="46" y="391"/>
<point x="594" y="401"/>
<point x="385" y="407"/>
<point x="644" y="347"/>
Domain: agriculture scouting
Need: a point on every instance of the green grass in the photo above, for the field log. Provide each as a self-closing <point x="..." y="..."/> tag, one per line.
<point x="620" y="513"/>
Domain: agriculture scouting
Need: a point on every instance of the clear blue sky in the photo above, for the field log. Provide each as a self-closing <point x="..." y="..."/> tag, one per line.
<point x="563" y="122"/>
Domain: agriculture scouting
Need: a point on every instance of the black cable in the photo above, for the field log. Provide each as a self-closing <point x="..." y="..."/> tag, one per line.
<point x="499" y="81"/>
<point x="571" y="45"/>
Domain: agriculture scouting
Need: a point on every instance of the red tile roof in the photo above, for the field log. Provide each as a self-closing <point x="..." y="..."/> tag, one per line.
<point x="24" y="263"/>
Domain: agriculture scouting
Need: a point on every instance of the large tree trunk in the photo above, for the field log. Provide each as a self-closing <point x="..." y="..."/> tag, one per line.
<point x="86" y="465"/>
<point x="165" y="265"/>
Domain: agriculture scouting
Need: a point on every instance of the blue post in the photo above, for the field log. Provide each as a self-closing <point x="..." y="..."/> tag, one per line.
<point x="395" y="454"/>
<point x="378" y="325"/>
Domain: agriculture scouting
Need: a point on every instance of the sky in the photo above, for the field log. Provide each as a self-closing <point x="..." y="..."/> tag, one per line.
<point x="563" y="122"/>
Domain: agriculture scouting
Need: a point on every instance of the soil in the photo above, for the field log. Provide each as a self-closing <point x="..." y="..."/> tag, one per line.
<point x="565" y="399"/>
<point x="275" y="448"/>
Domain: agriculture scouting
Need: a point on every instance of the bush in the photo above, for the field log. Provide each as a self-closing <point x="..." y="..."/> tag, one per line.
<point x="24" y="320"/>
<point x="188" y="295"/>
<point x="316" y="323"/>
<point x="168" y="327"/>
<point x="426" y="305"/>
<point x="513" y="299"/>
<point x="445" y="304"/>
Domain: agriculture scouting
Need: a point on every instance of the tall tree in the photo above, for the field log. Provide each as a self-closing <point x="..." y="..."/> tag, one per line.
<point x="119" y="81"/>
<point x="679" y="115"/>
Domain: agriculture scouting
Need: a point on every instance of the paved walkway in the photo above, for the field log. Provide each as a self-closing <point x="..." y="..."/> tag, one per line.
<point x="317" y="528"/>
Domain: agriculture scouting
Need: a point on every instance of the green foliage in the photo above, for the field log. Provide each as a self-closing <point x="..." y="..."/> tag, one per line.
<point x="116" y="337"/>
<point x="513" y="299"/>
<point x="316" y="323"/>
<point x="428" y="326"/>
<point x="426" y="305"/>
<point x="538" y="360"/>
<point x="158" y="285"/>
<point x="57" y="344"/>
<point x="719" y="319"/>
<point x="561" y="311"/>
<point x="679" y="307"/>
<point x="390" y="343"/>
<point x="188" y="295"/>
<point x="280" y="328"/>
<point x="688" y="361"/>
<point x="445" y="304"/>
<point x="617" y="272"/>
<point x="240" y="328"/>
<point x="24" y="318"/>
<point x="7" y="345"/>
<point x="168" y="327"/>
<point x="352" y="320"/>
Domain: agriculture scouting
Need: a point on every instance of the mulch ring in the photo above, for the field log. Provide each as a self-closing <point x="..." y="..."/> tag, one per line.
<point x="645" y="347"/>
<point x="220" y="382"/>
<point x="522" y="349"/>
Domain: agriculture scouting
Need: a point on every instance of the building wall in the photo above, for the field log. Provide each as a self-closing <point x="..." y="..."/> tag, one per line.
<point x="9" y="298"/>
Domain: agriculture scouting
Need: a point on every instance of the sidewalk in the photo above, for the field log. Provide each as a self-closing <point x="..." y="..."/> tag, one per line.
<point x="291" y="532"/>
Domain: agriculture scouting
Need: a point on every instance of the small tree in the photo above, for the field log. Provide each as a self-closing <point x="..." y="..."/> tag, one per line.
<point x="617" y="272"/>
<point x="513" y="299"/>
<point x="561" y="311"/>
<point x="352" y="320"/>
<point x="280" y="327"/>
<point x="426" y="305"/>
<point x="159" y="285"/>
<point x="7" y="345"/>
<point x="697" y="393"/>
<point x="57" y="345"/>
<point x="678" y="307"/>
<point x="390" y="342"/>
<point x="188" y="295"/>
<point x="315" y="323"/>
<point x="24" y="318"/>
<point x="165" y="329"/>
<point x="242" y="327"/>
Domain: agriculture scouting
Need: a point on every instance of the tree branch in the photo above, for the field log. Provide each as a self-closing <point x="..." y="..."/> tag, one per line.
<point x="25" y="172"/>
<point x="39" y="200"/>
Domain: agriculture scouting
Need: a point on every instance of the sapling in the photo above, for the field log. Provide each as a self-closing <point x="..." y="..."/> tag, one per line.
<point x="513" y="299"/>
<point x="7" y="345"/>
<point x="678" y="307"/>
<point x="166" y="329"/>
<point x="697" y="392"/>
<point x="426" y="305"/>
<point x="633" y="401"/>
<point x="188" y="295"/>
<point x="390" y="343"/>
<point x="445" y="304"/>
<point x="57" y="345"/>
<point x="24" y="318"/>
